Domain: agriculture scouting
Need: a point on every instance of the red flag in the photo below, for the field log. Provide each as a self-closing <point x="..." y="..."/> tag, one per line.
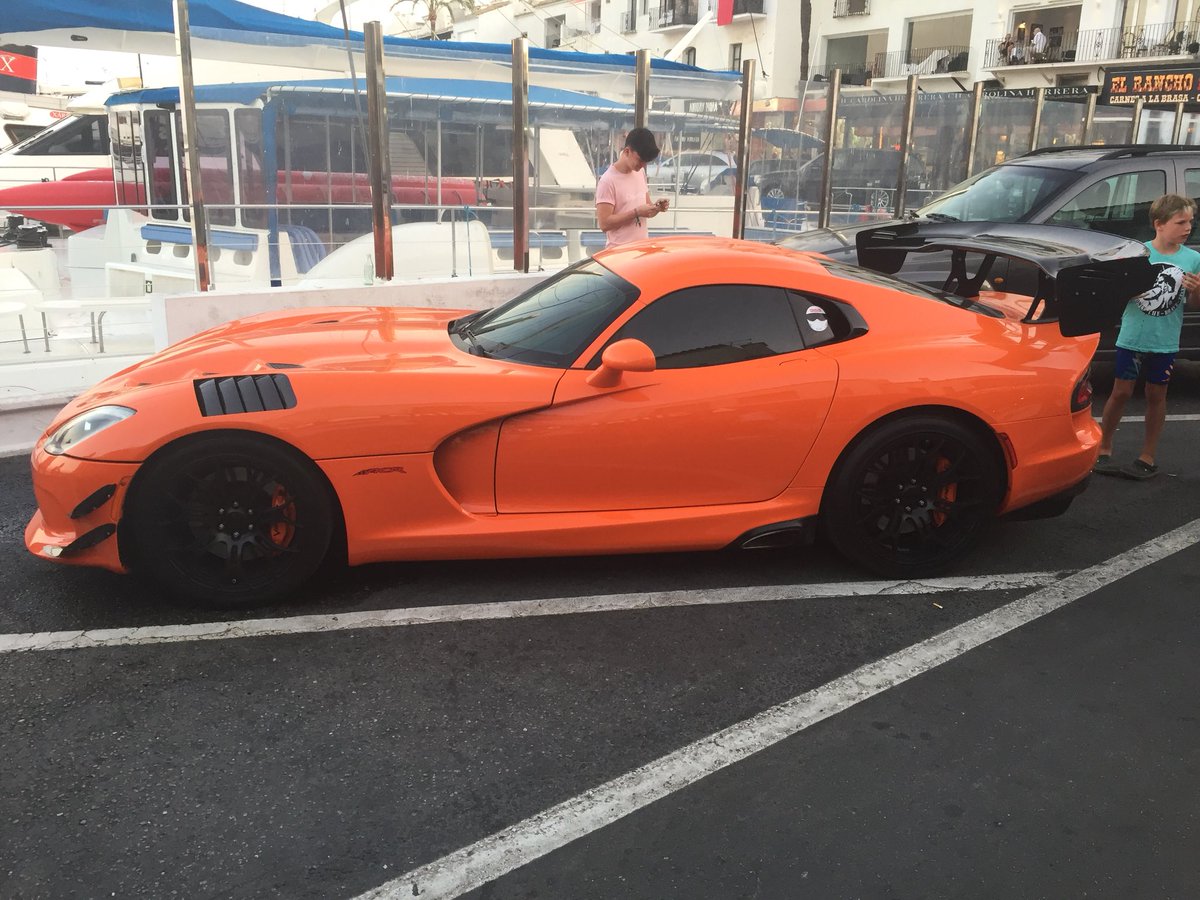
<point x="724" y="12"/>
<point x="17" y="65"/>
<point x="18" y="69"/>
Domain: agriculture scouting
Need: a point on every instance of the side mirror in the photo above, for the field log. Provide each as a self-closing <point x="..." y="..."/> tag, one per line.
<point x="629" y="355"/>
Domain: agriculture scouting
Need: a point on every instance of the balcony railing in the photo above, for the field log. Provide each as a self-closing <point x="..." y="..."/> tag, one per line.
<point x="852" y="73"/>
<point x="1098" y="45"/>
<point x="922" y="61"/>
<point x="844" y="8"/>
<point x="670" y="15"/>
<point x="628" y="23"/>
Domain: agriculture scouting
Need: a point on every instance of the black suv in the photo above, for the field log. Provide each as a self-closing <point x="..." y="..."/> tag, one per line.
<point x="1099" y="188"/>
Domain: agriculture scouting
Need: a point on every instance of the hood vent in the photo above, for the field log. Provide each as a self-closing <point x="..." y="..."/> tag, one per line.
<point x="244" y="393"/>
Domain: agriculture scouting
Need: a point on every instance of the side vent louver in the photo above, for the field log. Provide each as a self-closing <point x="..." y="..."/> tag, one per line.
<point x="244" y="393"/>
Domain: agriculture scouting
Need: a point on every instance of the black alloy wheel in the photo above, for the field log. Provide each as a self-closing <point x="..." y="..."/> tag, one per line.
<point x="230" y="520"/>
<point x="913" y="497"/>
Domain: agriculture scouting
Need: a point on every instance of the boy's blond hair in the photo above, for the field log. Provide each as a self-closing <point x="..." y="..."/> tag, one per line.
<point x="1168" y="206"/>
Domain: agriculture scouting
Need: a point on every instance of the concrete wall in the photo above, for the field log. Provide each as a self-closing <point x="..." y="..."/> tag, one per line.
<point x="182" y="315"/>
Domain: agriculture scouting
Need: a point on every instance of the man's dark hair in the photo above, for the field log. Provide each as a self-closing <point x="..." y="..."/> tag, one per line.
<point x="641" y="141"/>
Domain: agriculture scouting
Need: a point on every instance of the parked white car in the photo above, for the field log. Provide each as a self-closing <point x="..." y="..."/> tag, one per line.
<point x="695" y="171"/>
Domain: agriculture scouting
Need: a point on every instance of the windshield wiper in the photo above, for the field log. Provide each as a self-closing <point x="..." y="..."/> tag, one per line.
<point x="942" y="217"/>
<point x="463" y="329"/>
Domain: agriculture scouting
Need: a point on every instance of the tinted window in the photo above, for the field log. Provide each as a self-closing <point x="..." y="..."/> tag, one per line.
<point x="125" y="128"/>
<point x="81" y="136"/>
<point x="213" y="152"/>
<point x="714" y="325"/>
<point x="1002" y="194"/>
<point x="160" y="157"/>
<point x="1117" y="205"/>
<point x="821" y="321"/>
<point x="17" y="133"/>
<point x="248" y="124"/>
<point x="553" y="322"/>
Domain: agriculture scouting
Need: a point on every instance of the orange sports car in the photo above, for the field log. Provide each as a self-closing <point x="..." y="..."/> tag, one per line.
<point x="679" y="394"/>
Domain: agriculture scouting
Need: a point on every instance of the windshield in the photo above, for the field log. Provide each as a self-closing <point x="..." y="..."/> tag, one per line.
<point x="870" y="276"/>
<point x="553" y="322"/>
<point x="1002" y="194"/>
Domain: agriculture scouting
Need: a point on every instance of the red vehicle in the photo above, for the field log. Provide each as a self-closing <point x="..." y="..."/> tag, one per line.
<point x="678" y="394"/>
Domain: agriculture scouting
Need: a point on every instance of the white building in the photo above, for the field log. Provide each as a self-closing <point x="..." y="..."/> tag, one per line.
<point x="952" y="42"/>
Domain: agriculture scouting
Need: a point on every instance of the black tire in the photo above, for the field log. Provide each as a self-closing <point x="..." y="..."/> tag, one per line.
<point x="912" y="497"/>
<point x="229" y="520"/>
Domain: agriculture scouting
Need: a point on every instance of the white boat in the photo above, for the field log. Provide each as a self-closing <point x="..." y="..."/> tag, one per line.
<point x="285" y="185"/>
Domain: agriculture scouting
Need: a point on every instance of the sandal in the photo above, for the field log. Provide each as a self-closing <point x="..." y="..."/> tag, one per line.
<point x="1139" y="470"/>
<point x="1105" y="465"/>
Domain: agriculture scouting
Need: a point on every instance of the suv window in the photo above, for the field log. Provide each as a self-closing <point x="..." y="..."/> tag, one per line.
<point x="1119" y="205"/>
<point x="714" y="325"/>
<point x="1002" y="194"/>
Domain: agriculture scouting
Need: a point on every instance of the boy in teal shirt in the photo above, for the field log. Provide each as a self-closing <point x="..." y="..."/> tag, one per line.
<point x="1149" y="335"/>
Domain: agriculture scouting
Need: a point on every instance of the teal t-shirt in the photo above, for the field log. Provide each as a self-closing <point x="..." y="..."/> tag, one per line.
<point x="1152" y="321"/>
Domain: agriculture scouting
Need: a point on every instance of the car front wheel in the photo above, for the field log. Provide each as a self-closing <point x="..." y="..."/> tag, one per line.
<point x="913" y="497"/>
<point x="229" y="520"/>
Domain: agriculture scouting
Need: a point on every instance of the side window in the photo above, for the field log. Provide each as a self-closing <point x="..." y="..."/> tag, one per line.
<point x="821" y="321"/>
<point x="714" y="325"/>
<point x="84" y="136"/>
<point x="1191" y="188"/>
<point x="1118" y="205"/>
<point x="214" y="150"/>
<point x="160" y="159"/>
<point x="17" y="133"/>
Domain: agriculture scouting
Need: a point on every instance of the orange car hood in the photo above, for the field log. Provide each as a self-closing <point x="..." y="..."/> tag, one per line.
<point x="376" y="339"/>
<point x="389" y="379"/>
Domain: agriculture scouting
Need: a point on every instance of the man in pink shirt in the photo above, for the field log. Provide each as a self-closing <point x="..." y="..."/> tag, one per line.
<point x="622" y="198"/>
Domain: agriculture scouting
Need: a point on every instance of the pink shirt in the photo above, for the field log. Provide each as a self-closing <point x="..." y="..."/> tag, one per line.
<point x="624" y="192"/>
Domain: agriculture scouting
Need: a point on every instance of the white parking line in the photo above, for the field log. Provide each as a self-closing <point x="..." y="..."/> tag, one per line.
<point x="482" y="862"/>
<point x="560" y="606"/>
<point x="1182" y="417"/>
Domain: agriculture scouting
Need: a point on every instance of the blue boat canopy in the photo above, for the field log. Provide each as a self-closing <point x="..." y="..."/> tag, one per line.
<point x="147" y="26"/>
<point x="449" y="89"/>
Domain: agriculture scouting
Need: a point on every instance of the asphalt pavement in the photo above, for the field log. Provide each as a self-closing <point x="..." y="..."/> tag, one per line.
<point x="1057" y="759"/>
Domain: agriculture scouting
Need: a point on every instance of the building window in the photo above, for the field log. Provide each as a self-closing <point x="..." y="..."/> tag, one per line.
<point x="735" y="57"/>
<point x="689" y="56"/>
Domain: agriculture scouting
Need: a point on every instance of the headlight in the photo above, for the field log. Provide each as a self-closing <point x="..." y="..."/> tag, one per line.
<point x="84" y="426"/>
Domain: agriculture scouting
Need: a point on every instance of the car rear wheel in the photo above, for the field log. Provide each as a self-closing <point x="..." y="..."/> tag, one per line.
<point x="913" y="497"/>
<point x="230" y="520"/>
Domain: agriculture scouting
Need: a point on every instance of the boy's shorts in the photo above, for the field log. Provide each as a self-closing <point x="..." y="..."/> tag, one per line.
<point x="1130" y="362"/>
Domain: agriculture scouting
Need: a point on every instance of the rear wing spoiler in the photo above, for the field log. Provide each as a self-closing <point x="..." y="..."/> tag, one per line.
<point x="1085" y="278"/>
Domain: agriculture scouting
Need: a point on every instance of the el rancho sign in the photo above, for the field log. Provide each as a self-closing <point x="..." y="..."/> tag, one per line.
<point x="1164" y="86"/>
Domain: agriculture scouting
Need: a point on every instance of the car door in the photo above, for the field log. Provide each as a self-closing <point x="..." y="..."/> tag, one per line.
<point x="728" y="416"/>
<point x="1189" y="178"/>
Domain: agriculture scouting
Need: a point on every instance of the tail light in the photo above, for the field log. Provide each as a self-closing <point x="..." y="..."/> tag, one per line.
<point x="1081" y="396"/>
